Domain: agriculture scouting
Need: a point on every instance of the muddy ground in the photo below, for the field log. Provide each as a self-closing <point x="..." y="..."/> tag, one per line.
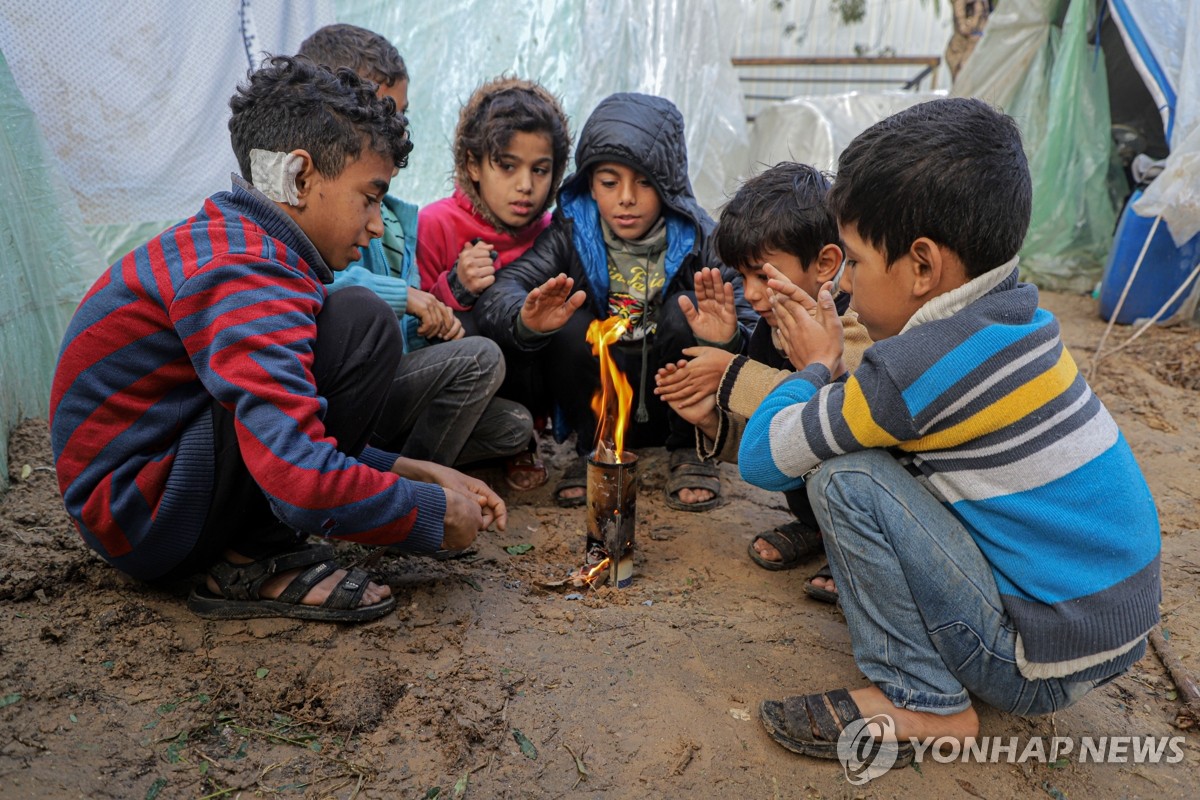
<point x="485" y="685"/>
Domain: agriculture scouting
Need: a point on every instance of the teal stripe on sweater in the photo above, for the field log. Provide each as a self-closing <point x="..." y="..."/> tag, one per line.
<point x="1060" y="527"/>
<point x="973" y="351"/>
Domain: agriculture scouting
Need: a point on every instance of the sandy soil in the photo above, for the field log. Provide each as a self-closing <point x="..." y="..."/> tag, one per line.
<point x="112" y="689"/>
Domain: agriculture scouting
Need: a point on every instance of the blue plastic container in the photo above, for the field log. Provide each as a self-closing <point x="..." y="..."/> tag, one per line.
<point x="1163" y="269"/>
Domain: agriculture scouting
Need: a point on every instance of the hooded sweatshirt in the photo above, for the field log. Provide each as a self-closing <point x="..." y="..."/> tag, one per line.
<point x="646" y="134"/>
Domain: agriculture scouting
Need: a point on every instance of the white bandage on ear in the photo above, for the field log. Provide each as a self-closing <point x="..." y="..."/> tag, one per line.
<point x="274" y="174"/>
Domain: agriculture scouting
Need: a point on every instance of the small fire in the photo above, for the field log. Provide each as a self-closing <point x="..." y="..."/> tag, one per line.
<point x="611" y="403"/>
<point x="596" y="572"/>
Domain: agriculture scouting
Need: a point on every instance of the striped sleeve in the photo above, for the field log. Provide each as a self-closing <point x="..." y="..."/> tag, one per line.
<point x="248" y="326"/>
<point x="807" y="420"/>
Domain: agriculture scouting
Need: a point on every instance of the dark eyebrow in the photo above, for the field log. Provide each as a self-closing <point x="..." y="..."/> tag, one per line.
<point x="380" y="186"/>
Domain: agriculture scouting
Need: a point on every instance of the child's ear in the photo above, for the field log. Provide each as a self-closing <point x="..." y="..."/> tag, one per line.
<point x="927" y="263"/>
<point x="473" y="169"/>
<point x="305" y="178"/>
<point x="829" y="261"/>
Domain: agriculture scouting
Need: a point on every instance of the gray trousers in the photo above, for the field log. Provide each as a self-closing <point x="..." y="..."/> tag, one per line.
<point x="442" y="406"/>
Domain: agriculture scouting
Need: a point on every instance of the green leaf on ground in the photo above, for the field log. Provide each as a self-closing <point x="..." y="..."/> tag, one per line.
<point x="155" y="788"/>
<point x="526" y="746"/>
<point x="26" y="471"/>
<point x="73" y="718"/>
<point x="9" y="699"/>
<point x="433" y="793"/>
<point x="108" y="664"/>
<point x="460" y="786"/>
<point x="518" y="549"/>
<point x="261" y="672"/>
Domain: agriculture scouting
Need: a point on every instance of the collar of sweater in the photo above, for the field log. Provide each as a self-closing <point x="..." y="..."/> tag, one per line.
<point x="948" y="304"/>
<point x="470" y="202"/>
<point x="278" y="225"/>
<point x="652" y="244"/>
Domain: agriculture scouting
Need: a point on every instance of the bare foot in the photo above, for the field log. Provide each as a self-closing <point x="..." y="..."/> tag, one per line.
<point x="693" y="496"/>
<point x="917" y="724"/>
<point x="572" y="493"/>
<point x="274" y="587"/>
<point x="769" y="552"/>
<point x="824" y="583"/>
<point x="524" y="472"/>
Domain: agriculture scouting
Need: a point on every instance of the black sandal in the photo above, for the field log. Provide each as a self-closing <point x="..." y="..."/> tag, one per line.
<point x="817" y="592"/>
<point x="575" y="477"/>
<point x="689" y="472"/>
<point x="812" y="724"/>
<point x="240" y="584"/>
<point x="795" y="541"/>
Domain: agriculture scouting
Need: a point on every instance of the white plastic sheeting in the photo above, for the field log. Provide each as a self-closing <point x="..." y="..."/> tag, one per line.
<point x="133" y="95"/>
<point x="49" y="262"/>
<point x="1175" y="193"/>
<point x="582" y="52"/>
<point x="815" y="130"/>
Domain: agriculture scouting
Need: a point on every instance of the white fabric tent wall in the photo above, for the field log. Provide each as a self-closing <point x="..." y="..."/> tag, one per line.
<point x="133" y="95"/>
<point x="1175" y="194"/>
<point x="582" y="52"/>
<point x="113" y="113"/>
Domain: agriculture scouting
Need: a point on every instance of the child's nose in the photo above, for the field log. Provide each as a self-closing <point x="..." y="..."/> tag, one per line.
<point x="375" y="222"/>
<point x="846" y="282"/>
<point x="525" y="181"/>
<point x="628" y="195"/>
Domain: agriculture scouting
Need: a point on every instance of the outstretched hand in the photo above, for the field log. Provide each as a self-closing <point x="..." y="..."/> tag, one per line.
<point x="811" y="330"/>
<point x="713" y="318"/>
<point x="549" y="306"/>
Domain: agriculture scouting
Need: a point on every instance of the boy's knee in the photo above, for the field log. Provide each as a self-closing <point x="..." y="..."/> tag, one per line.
<point x="477" y="358"/>
<point x="359" y="315"/>
<point x="514" y="425"/>
<point x="864" y="462"/>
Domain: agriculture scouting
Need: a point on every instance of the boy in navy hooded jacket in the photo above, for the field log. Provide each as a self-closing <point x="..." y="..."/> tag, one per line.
<point x="627" y="239"/>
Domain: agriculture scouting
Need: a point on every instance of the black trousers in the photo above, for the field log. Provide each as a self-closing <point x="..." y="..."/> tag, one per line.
<point x="577" y="377"/>
<point x="355" y="357"/>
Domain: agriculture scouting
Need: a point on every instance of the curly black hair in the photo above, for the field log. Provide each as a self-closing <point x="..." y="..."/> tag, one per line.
<point x="366" y="52"/>
<point x="782" y="209"/>
<point x="293" y="104"/>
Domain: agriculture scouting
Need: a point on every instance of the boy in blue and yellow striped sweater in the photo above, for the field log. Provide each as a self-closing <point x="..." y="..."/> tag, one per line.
<point x="987" y="526"/>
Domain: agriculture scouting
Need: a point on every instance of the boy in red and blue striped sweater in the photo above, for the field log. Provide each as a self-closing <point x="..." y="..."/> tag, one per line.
<point x="212" y="404"/>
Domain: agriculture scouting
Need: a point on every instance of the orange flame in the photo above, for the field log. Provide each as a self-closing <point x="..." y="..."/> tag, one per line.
<point x="596" y="571"/>
<point x="611" y="403"/>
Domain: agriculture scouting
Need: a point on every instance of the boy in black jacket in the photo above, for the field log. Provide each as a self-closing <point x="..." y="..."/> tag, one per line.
<point x="629" y="235"/>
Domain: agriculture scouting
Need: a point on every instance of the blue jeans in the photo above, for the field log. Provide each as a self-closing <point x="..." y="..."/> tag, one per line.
<point x="925" y="617"/>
